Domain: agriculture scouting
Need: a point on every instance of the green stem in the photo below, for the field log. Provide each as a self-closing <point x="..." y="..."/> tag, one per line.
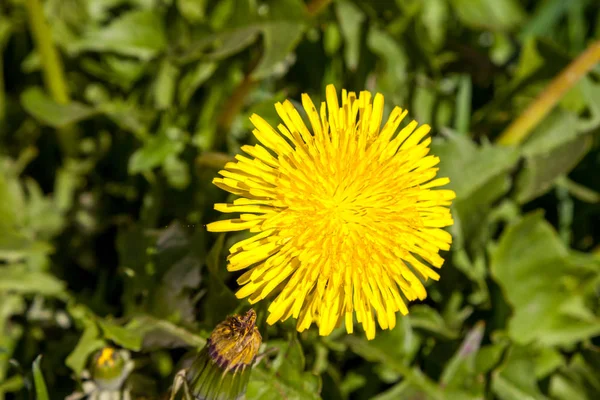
<point x="52" y="68"/>
<point x="51" y="64"/>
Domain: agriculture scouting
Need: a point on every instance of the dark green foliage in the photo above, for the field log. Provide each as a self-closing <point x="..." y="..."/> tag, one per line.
<point x="108" y="246"/>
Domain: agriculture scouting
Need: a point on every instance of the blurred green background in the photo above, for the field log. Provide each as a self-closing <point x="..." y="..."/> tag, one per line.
<point x="116" y="114"/>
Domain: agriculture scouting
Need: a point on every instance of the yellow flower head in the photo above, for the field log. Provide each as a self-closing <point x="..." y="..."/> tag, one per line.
<point x="106" y="357"/>
<point x="346" y="216"/>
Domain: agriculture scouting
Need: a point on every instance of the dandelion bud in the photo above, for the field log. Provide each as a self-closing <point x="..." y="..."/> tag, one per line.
<point x="222" y="369"/>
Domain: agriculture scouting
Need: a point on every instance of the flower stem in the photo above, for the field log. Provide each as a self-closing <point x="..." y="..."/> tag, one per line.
<point x="533" y="115"/>
<point x="52" y="68"/>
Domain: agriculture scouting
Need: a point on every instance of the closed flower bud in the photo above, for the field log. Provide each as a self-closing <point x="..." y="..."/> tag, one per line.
<point x="222" y="369"/>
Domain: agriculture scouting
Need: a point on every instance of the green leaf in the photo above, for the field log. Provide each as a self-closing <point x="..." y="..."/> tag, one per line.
<point x="403" y="390"/>
<point x="286" y="378"/>
<point x="464" y="98"/>
<point x="332" y="39"/>
<point x="434" y="20"/>
<point x="400" y="344"/>
<point x="350" y="19"/>
<point x="88" y="343"/>
<point x="266" y="386"/>
<point x="279" y="40"/>
<point x="550" y="152"/>
<point x="161" y="333"/>
<point x="10" y="333"/>
<point x="11" y="191"/>
<point x="579" y="380"/>
<point x="231" y="42"/>
<point x="47" y="111"/>
<point x="137" y="33"/>
<point x="460" y="376"/>
<point x="547" y="360"/>
<point x="192" y="10"/>
<point x="177" y="172"/>
<point x="194" y="79"/>
<point x="488" y="357"/>
<point x="19" y="278"/>
<point x="122" y="336"/>
<point x="41" y="391"/>
<point x="154" y="153"/>
<point x="164" y="87"/>
<point x="546" y="15"/>
<point x="590" y="92"/>
<point x="494" y="15"/>
<point x="479" y="175"/>
<point x="282" y="26"/>
<point x="116" y="69"/>
<point x="393" y="79"/>
<point x="427" y="318"/>
<point x="469" y="166"/>
<point x="515" y="379"/>
<point x="394" y="349"/>
<point x="15" y="246"/>
<point x="544" y="284"/>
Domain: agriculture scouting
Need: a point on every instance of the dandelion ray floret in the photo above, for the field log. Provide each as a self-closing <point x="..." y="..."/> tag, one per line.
<point x="347" y="214"/>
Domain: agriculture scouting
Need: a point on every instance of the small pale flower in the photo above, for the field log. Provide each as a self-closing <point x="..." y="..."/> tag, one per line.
<point x="347" y="215"/>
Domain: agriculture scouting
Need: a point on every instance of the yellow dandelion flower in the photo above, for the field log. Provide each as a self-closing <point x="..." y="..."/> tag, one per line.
<point x="347" y="216"/>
